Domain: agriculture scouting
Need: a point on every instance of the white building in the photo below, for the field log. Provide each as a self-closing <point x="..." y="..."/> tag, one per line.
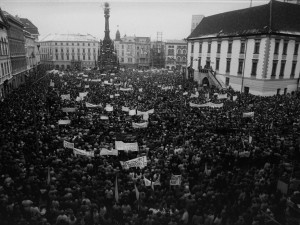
<point x="66" y="51"/>
<point x="258" y="55"/>
<point x="176" y="53"/>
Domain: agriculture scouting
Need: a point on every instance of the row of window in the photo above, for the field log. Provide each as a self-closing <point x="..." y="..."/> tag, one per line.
<point x="3" y="46"/>
<point x="4" y="69"/>
<point x="78" y="44"/>
<point x="78" y="50"/>
<point x="73" y="57"/>
<point x="183" y="59"/>
<point x="16" y="48"/>
<point x="254" y="66"/>
<point x="179" y="51"/>
<point x="256" y="47"/>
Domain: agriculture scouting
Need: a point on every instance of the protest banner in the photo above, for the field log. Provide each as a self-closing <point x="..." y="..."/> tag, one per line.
<point x="140" y="162"/>
<point x="67" y="110"/>
<point x="104" y="117"/>
<point x="109" y="108"/>
<point x="234" y="98"/>
<point x="64" y="122"/>
<point x="175" y="180"/>
<point x="78" y="99"/>
<point x="140" y="89"/>
<point x="150" y="111"/>
<point x="125" y="89"/>
<point x="132" y="112"/>
<point x="146" y="116"/>
<point x="105" y="151"/>
<point x="82" y="94"/>
<point x="178" y="150"/>
<point x="140" y="125"/>
<point x="51" y="83"/>
<point x="86" y="86"/>
<point x="111" y="96"/>
<point x="77" y="151"/>
<point x="248" y="114"/>
<point x="65" y="97"/>
<point x="184" y="93"/>
<point x="68" y="144"/>
<point x="117" y="95"/>
<point x="89" y="105"/>
<point x="222" y="96"/>
<point x="125" y="109"/>
<point x="96" y="80"/>
<point x="195" y="95"/>
<point x="122" y="146"/>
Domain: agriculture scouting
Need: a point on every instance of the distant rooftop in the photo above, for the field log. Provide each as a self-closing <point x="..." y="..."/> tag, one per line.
<point x="29" y="26"/>
<point x="175" y="41"/>
<point x="69" y="37"/>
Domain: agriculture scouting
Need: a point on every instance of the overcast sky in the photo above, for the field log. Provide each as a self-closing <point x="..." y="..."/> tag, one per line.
<point x="134" y="17"/>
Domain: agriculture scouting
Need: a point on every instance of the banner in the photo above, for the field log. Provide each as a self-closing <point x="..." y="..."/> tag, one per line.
<point x="105" y="151"/>
<point x="111" y="96"/>
<point x="125" y="109"/>
<point x="185" y="93"/>
<point x="64" y="122"/>
<point x="89" y="105"/>
<point x="248" y="114"/>
<point x="175" y="180"/>
<point x="86" y="86"/>
<point x="244" y="154"/>
<point x="78" y="99"/>
<point x="140" y="89"/>
<point x="96" y="80"/>
<point x="140" y="125"/>
<point x="222" y="96"/>
<point x="65" y="97"/>
<point x="132" y="112"/>
<point x="67" y="110"/>
<point x="147" y="182"/>
<point x="146" y="116"/>
<point x="107" y="83"/>
<point x="109" y="108"/>
<point x="117" y="95"/>
<point x="51" y="83"/>
<point x="234" y="98"/>
<point x="125" y="89"/>
<point x="140" y="162"/>
<point x="208" y="104"/>
<point x="103" y="117"/>
<point x="122" y="146"/>
<point x="78" y="85"/>
<point x="195" y="95"/>
<point x="77" y="151"/>
<point x="82" y="94"/>
<point x="68" y="144"/>
<point x="150" y="111"/>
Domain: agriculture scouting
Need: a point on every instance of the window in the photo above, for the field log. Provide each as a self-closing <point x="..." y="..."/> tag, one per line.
<point x="67" y="56"/>
<point x="89" y="57"/>
<point x="296" y="48"/>
<point x="246" y="90"/>
<point x="276" y="50"/>
<point x="274" y="67"/>
<point x="199" y="63"/>
<point x="184" y="51"/>
<point x="83" y="57"/>
<point x="55" y="43"/>
<point x="122" y="59"/>
<point x="219" y="47"/>
<point x="78" y="50"/>
<point x="240" y="67"/>
<point x="88" y="44"/>
<point x="56" y="56"/>
<point x="293" y="68"/>
<point x="73" y="57"/>
<point x="183" y="59"/>
<point x="170" y="51"/>
<point x="242" y="49"/>
<point x="227" y="81"/>
<point x="254" y="67"/>
<point x="77" y="44"/>
<point x="229" y="47"/>
<point x="67" y="43"/>
<point x="256" y="46"/>
<point x="73" y="44"/>
<point x="130" y="60"/>
<point x="178" y="59"/>
<point x="282" y="67"/>
<point x="209" y="48"/>
<point x="78" y="57"/>
<point x="82" y="44"/>
<point x="192" y="49"/>
<point x="56" y="50"/>
<point x="217" y="63"/>
<point x="285" y="45"/>
<point x="179" y="51"/>
<point x="228" y="65"/>
<point x="61" y="43"/>
<point x="62" y="50"/>
<point x="62" y="56"/>
<point x="200" y="47"/>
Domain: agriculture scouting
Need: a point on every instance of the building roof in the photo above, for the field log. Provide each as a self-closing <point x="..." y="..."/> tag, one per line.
<point x="69" y="37"/>
<point x="15" y="19"/>
<point x="183" y="42"/>
<point x="29" y="26"/>
<point x="283" y="19"/>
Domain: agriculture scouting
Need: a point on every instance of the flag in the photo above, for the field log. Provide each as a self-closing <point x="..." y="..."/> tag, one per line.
<point x="137" y="193"/>
<point x="48" y="176"/>
<point x="116" y="190"/>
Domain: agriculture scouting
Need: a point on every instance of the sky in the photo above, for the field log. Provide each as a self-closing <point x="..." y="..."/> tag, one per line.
<point x="132" y="17"/>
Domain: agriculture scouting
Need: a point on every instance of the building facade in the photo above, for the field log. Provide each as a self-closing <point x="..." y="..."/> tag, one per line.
<point x="16" y="41"/>
<point x="176" y="54"/>
<point x="32" y="45"/>
<point x="5" y="63"/>
<point x="69" y="51"/>
<point x="158" y="57"/>
<point x="259" y="56"/>
<point x="133" y="52"/>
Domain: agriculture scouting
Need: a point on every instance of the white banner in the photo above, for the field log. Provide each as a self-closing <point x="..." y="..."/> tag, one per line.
<point x="208" y="104"/>
<point x="222" y="96"/>
<point x="67" y="110"/>
<point x="78" y="99"/>
<point x="125" y="109"/>
<point x="89" y="105"/>
<point x="147" y="182"/>
<point x="96" y="80"/>
<point x="244" y="154"/>
<point x="140" y="162"/>
<point x="248" y="114"/>
<point x="64" y="122"/>
<point x="234" y="98"/>
<point x="132" y="112"/>
<point x="195" y="95"/>
<point x="109" y="108"/>
<point x="107" y="83"/>
<point x="68" y="144"/>
<point x="125" y="89"/>
<point x="122" y="146"/>
<point x="146" y="116"/>
<point x="51" y="83"/>
<point x="105" y="151"/>
<point x="175" y="180"/>
<point x="77" y="151"/>
<point x="140" y="125"/>
<point x="140" y="89"/>
<point x="86" y="86"/>
<point x="103" y="117"/>
<point x="82" y="94"/>
<point x="117" y="95"/>
<point x="111" y="96"/>
<point x="185" y="93"/>
<point x="65" y="97"/>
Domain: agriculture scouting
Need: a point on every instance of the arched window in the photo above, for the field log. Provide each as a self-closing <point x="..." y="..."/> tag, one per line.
<point x="183" y="59"/>
<point x="184" y="51"/>
<point x="179" y="51"/>
<point x="1" y="46"/>
<point x="178" y="59"/>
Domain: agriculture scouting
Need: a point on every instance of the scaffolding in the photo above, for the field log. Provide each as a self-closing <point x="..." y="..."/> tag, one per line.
<point x="158" y="52"/>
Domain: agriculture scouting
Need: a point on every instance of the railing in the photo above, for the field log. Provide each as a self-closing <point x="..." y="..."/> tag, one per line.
<point x="213" y="78"/>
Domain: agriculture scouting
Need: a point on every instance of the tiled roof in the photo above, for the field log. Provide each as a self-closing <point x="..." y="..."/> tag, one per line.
<point x="29" y="26"/>
<point x="284" y="18"/>
<point x="69" y="37"/>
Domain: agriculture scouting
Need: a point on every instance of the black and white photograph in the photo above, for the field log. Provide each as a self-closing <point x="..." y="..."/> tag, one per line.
<point x="149" y="112"/>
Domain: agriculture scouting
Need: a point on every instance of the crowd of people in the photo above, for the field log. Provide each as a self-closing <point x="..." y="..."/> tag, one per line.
<point x="233" y="169"/>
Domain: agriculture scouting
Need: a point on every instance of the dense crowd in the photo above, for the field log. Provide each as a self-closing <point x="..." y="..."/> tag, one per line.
<point x="230" y="165"/>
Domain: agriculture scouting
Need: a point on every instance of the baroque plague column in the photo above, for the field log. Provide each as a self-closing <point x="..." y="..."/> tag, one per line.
<point x="108" y="61"/>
